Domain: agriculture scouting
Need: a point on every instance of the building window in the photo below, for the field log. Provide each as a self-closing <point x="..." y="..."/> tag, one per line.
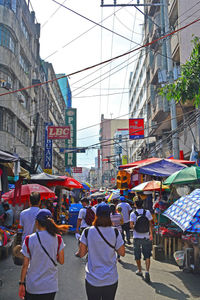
<point x="22" y="133"/>
<point x="24" y="63"/>
<point x="6" y="38"/>
<point x="6" y="120"/>
<point x="11" y="4"/>
<point x="25" y="30"/>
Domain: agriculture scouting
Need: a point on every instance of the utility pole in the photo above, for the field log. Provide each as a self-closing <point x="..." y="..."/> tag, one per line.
<point x="166" y="48"/>
<point x="34" y="149"/>
<point x="175" y="138"/>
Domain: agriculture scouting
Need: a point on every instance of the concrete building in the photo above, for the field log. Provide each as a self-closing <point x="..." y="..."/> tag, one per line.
<point x="21" y="66"/>
<point x="181" y="12"/>
<point x="121" y="138"/>
<point x="138" y="103"/>
<point x="108" y="127"/>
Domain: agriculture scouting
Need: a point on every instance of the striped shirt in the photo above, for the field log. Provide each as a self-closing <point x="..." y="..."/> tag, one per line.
<point x="116" y="220"/>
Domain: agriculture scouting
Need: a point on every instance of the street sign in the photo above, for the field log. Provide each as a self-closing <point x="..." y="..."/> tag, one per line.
<point x="70" y="120"/>
<point x="48" y="149"/>
<point x="58" y="132"/>
<point x="77" y="170"/>
<point x="72" y="150"/>
<point x="136" y="129"/>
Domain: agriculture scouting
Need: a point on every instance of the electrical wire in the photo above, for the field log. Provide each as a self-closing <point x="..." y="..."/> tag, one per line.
<point x="102" y="95"/>
<point x="52" y="15"/>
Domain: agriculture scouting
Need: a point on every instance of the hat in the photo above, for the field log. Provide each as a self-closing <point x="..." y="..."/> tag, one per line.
<point x="122" y="198"/>
<point x="43" y="214"/>
<point x="103" y="210"/>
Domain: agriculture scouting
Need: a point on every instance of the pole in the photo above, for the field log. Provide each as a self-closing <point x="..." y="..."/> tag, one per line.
<point x="175" y="138"/>
<point x="34" y="151"/>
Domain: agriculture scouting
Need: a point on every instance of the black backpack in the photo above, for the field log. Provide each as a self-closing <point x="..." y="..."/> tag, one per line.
<point x="90" y="216"/>
<point x="142" y="223"/>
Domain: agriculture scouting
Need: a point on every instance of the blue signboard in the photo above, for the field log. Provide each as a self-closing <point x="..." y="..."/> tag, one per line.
<point x="48" y="149"/>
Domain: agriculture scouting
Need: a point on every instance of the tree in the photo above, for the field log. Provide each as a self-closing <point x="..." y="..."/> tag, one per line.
<point x="187" y="87"/>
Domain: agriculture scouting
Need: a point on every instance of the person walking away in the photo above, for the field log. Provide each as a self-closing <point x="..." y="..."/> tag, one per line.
<point x="27" y="216"/>
<point x="126" y="209"/>
<point x="101" y="241"/>
<point x="117" y="222"/>
<point x="42" y="250"/>
<point x="8" y="216"/>
<point x="85" y="218"/>
<point x="141" y="223"/>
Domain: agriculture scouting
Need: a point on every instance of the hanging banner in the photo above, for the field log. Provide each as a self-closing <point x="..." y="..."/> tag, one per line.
<point x="136" y="129"/>
<point x="58" y="132"/>
<point x="48" y="150"/>
<point x="77" y="170"/>
<point x="70" y="120"/>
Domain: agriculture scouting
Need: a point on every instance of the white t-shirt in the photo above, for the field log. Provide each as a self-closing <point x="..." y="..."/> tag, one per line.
<point x="42" y="275"/>
<point x="101" y="268"/>
<point x="27" y="220"/>
<point x="133" y="218"/>
<point x="116" y="220"/>
<point x="82" y="214"/>
<point x="126" y="208"/>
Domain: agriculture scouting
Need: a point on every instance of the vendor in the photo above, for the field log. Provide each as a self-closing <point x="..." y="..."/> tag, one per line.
<point x="8" y="216"/>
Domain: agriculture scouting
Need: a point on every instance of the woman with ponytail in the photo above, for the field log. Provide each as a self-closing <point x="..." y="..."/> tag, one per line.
<point x="42" y="250"/>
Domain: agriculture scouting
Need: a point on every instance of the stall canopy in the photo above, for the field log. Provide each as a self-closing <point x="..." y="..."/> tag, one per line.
<point x="7" y="157"/>
<point x="45" y="177"/>
<point x="185" y="176"/>
<point x="149" y="186"/>
<point x="160" y="167"/>
<point x="154" y="159"/>
<point x="68" y="183"/>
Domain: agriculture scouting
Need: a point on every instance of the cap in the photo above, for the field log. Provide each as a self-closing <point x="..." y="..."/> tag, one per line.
<point x="103" y="209"/>
<point x="122" y="198"/>
<point x="43" y="214"/>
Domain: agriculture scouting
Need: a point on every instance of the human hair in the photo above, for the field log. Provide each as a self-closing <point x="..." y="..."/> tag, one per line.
<point x="112" y="209"/>
<point x="34" y="198"/>
<point x="103" y="221"/>
<point x="99" y="200"/>
<point x="51" y="227"/>
<point x="6" y="206"/>
<point x="139" y="203"/>
<point x="84" y="199"/>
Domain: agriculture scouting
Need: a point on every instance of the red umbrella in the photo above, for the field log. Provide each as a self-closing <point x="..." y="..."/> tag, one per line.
<point x="26" y="190"/>
<point x="68" y="182"/>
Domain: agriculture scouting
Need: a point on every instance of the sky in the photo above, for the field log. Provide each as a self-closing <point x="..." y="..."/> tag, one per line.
<point x="72" y="43"/>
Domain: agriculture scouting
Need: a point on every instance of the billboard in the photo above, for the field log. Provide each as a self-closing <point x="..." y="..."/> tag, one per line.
<point x="58" y="132"/>
<point x="77" y="170"/>
<point x="70" y="120"/>
<point x="48" y="150"/>
<point x="136" y="129"/>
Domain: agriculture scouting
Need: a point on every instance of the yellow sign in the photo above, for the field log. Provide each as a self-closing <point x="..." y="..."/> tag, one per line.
<point x="124" y="159"/>
<point x="48" y="171"/>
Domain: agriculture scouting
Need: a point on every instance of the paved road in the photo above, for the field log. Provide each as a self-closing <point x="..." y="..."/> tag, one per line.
<point x="167" y="281"/>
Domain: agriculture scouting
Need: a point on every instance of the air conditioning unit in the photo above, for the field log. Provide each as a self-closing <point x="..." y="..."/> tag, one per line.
<point x="20" y="98"/>
<point x="6" y="85"/>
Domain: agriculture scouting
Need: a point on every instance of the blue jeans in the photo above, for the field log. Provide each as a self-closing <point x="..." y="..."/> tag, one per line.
<point x="126" y="228"/>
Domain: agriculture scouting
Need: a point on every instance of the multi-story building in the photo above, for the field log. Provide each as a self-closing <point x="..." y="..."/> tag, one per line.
<point x="21" y="66"/>
<point x="108" y="127"/>
<point x="138" y="103"/>
<point x="121" y="138"/>
<point x="180" y="12"/>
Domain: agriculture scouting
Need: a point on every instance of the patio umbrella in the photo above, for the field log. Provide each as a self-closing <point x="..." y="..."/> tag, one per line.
<point x="45" y="177"/>
<point x="185" y="212"/>
<point x="85" y="186"/>
<point x="26" y="190"/>
<point x="113" y="196"/>
<point x="68" y="183"/>
<point x="152" y="185"/>
<point x="185" y="176"/>
<point x="96" y="195"/>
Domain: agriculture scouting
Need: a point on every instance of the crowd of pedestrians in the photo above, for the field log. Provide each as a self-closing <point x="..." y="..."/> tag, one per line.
<point x="102" y="231"/>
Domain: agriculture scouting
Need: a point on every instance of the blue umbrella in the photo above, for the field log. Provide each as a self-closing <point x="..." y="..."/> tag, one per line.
<point x="85" y="186"/>
<point x="185" y="212"/>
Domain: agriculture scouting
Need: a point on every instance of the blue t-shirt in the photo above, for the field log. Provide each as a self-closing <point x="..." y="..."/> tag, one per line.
<point x="101" y="268"/>
<point x="27" y="220"/>
<point x="42" y="275"/>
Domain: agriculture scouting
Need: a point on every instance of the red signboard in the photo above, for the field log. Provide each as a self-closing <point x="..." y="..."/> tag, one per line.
<point x="77" y="170"/>
<point x="58" y="132"/>
<point x="136" y="129"/>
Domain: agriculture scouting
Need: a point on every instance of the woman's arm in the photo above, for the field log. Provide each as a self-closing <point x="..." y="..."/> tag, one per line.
<point x="121" y="251"/>
<point x="82" y="249"/>
<point x="61" y="258"/>
<point x="22" y="278"/>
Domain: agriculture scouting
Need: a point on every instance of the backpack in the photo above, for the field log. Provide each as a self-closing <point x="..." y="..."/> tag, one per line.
<point x="142" y="222"/>
<point x="90" y="216"/>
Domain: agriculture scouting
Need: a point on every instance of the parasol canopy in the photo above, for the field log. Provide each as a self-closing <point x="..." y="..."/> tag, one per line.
<point x="152" y="185"/>
<point x="45" y="177"/>
<point x="68" y="183"/>
<point x="185" y="212"/>
<point x="7" y="157"/>
<point x="185" y="176"/>
<point x="97" y="195"/>
<point x="85" y="186"/>
<point x="113" y="196"/>
<point x="26" y="190"/>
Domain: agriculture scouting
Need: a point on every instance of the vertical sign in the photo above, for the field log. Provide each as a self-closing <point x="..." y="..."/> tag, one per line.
<point x="70" y="120"/>
<point x="99" y="158"/>
<point x="136" y="129"/>
<point x="48" y="150"/>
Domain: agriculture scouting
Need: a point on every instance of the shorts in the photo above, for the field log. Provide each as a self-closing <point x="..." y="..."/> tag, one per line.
<point x="143" y="246"/>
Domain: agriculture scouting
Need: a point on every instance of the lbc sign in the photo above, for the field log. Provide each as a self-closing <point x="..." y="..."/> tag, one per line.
<point x="58" y="132"/>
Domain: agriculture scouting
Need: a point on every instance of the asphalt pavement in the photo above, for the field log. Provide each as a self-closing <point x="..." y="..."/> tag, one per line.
<point x="168" y="282"/>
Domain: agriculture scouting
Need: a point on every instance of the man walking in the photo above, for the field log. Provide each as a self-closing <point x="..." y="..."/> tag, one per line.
<point x="141" y="223"/>
<point x="27" y="216"/>
<point x="126" y="209"/>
